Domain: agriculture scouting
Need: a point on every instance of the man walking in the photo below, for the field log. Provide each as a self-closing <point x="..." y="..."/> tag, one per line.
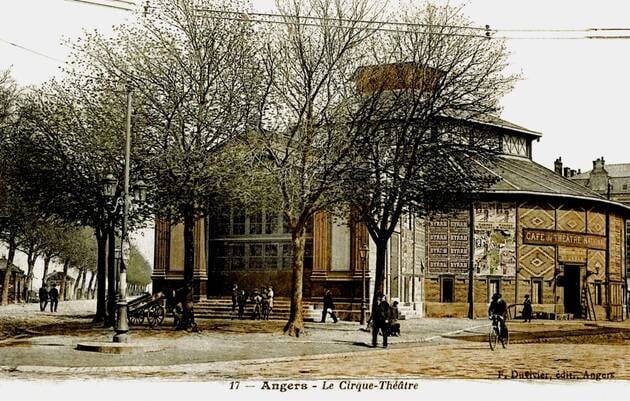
<point x="235" y="294"/>
<point x="329" y="306"/>
<point x="43" y="298"/>
<point x="54" y="298"/>
<point x="380" y="321"/>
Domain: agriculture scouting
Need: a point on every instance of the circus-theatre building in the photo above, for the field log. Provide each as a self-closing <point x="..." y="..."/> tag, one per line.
<point x="533" y="232"/>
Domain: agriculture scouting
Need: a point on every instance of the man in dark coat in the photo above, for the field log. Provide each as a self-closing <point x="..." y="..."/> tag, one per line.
<point x="235" y="293"/>
<point x="381" y="319"/>
<point x="43" y="298"/>
<point x="54" y="298"/>
<point x="242" y="300"/>
<point x="329" y="306"/>
<point x="527" y="309"/>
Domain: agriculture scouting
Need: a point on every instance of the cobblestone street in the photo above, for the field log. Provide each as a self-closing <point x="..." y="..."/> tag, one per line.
<point x="40" y="345"/>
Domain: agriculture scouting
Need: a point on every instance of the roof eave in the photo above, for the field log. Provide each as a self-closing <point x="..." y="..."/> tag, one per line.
<point x="560" y="196"/>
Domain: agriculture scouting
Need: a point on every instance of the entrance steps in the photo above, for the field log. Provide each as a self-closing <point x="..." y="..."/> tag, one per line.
<point x="410" y="312"/>
<point x="221" y="308"/>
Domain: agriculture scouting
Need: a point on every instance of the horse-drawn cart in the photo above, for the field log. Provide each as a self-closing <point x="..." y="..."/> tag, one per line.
<point x="151" y="307"/>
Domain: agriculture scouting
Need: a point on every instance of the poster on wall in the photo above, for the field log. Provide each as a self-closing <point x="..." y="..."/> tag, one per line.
<point x="448" y="243"/>
<point x="495" y="239"/>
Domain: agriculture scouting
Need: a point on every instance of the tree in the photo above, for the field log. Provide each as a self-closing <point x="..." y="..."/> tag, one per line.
<point x="68" y="140"/>
<point x="301" y="142"/>
<point x="9" y="95"/>
<point x="419" y="149"/>
<point x="139" y="269"/>
<point x="79" y="251"/>
<point x="190" y="70"/>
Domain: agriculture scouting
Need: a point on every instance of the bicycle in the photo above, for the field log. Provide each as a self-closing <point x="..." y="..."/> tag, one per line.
<point x="495" y="335"/>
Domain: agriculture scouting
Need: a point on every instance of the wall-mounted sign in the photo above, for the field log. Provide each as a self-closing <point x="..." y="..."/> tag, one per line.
<point x="448" y="243"/>
<point x="571" y="255"/>
<point x="563" y="238"/>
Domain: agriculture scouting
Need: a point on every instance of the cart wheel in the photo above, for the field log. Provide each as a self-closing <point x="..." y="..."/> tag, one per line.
<point x="155" y="315"/>
<point x="136" y="318"/>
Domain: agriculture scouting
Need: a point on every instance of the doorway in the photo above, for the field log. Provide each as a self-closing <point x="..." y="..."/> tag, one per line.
<point x="572" y="299"/>
<point x="447" y="289"/>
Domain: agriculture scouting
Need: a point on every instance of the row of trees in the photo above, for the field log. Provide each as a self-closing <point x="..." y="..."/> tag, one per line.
<point x="320" y="107"/>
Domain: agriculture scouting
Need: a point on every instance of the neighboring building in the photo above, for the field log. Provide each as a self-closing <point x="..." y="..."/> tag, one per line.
<point x="16" y="280"/>
<point x="534" y="232"/>
<point x="64" y="286"/>
<point x="611" y="181"/>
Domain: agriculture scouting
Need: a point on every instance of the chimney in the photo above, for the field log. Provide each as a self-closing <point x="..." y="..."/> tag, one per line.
<point x="557" y="166"/>
<point x="567" y="171"/>
<point x="573" y="172"/>
<point x="598" y="164"/>
<point x="579" y="171"/>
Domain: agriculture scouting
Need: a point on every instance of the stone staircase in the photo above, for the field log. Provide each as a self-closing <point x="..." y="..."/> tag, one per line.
<point x="221" y="308"/>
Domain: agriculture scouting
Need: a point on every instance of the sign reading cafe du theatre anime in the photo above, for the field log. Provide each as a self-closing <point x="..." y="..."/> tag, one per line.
<point x="448" y="243"/>
<point x="495" y="239"/>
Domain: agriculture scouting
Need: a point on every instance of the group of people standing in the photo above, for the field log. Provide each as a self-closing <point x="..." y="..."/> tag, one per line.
<point x="261" y="299"/>
<point x="384" y="320"/>
<point x="46" y="295"/>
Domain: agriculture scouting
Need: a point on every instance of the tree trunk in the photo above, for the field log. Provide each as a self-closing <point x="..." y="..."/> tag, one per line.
<point x="111" y="277"/>
<point x="83" y="280"/>
<point x="46" y="264"/>
<point x="381" y="261"/>
<point x="76" y="283"/>
<point x="189" y="266"/>
<point x="101" y="276"/>
<point x="62" y="286"/>
<point x="295" y="325"/>
<point x="4" y="300"/>
<point x="90" y="288"/>
<point x="31" y="258"/>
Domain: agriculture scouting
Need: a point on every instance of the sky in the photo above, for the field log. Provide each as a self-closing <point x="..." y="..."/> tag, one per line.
<point x="573" y="91"/>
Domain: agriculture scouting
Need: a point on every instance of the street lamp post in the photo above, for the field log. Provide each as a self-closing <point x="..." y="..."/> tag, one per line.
<point x="109" y="186"/>
<point x="363" y="253"/>
<point x="122" y="326"/>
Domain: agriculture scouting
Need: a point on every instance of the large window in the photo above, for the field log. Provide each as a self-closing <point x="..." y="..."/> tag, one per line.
<point x="257" y="241"/>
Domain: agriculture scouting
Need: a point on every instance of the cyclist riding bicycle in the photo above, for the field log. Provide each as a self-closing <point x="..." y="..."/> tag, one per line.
<point x="498" y="309"/>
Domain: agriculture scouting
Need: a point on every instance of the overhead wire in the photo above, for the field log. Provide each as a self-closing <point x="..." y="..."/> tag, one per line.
<point x="485" y="32"/>
<point x="31" y="50"/>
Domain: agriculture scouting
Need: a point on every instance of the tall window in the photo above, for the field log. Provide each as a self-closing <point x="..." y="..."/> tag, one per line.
<point x="271" y="223"/>
<point x="238" y="223"/>
<point x="256" y="257"/>
<point x="256" y="224"/>
<point x="537" y="291"/>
